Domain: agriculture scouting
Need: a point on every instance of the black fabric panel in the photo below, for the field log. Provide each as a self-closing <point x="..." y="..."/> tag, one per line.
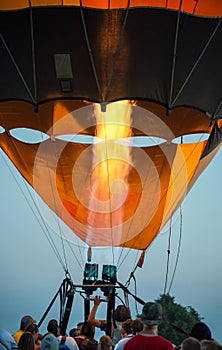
<point x="203" y="89"/>
<point x="214" y="140"/>
<point x="15" y="30"/>
<point x="135" y="65"/>
<point x="146" y="56"/>
<point x="60" y="31"/>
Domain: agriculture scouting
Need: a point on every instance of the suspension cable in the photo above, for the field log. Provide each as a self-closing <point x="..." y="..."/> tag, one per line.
<point x="90" y="50"/>
<point x="178" y="251"/>
<point x="41" y="223"/>
<point x="17" y="69"/>
<point x="61" y="233"/>
<point x="197" y="60"/>
<point x="41" y="220"/>
<point x="174" y="55"/>
<point x="168" y="257"/>
<point x="55" y="203"/>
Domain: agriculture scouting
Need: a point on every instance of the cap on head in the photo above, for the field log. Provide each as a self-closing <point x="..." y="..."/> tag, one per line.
<point x="151" y="314"/>
<point x="26" y="320"/>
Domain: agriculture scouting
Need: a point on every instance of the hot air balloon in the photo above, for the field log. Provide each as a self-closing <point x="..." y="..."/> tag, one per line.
<point x="98" y="80"/>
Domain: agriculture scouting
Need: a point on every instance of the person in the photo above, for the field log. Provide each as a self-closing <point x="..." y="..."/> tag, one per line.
<point x="86" y="337"/>
<point x="74" y="332"/>
<point x="137" y="326"/>
<point x="210" y="345"/>
<point x="69" y="342"/>
<point x="26" y="341"/>
<point x="25" y="321"/>
<point x="49" y="342"/>
<point x="201" y="331"/>
<point x="7" y="342"/>
<point x="65" y="342"/>
<point x="190" y="344"/>
<point x="33" y="328"/>
<point x="148" y="338"/>
<point x="121" y="314"/>
<point x="38" y="342"/>
<point x="79" y="326"/>
<point x="53" y="327"/>
<point x="126" y="332"/>
<point x="105" y="343"/>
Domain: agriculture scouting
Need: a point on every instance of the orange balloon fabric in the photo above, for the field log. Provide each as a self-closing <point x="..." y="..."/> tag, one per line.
<point x="200" y="7"/>
<point x="61" y="172"/>
<point x="111" y="73"/>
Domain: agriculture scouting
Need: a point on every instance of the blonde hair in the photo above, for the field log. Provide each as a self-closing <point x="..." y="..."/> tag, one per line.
<point x="105" y="343"/>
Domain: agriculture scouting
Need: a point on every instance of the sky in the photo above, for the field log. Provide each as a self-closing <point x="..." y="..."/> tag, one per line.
<point x="31" y="274"/>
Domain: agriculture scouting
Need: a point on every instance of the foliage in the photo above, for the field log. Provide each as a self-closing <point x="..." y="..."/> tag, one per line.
<point x="182" y="317"/>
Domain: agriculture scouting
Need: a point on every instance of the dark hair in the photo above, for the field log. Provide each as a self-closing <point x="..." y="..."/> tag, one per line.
<point x="137" y="326"/>
<point x="53" y="327"/>
<point x="122" y="313"/>
<point x="88" y="330"/>
<point x="26" y="342"/>
<point x="102" y="326"/>
<point x="86" y="343"/>
<point x="80" y="324"/>
<point x="32" y="328"/>
<point x="128" y="326"/>
<point x="73" y="332"/>
<point x="200" y="331"/>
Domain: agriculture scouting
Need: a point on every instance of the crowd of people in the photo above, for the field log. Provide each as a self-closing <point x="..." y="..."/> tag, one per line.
<point x="127" y="333"/>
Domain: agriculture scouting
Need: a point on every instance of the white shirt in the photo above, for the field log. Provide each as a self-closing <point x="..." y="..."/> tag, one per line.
<point x="70" y="342"/>
<point x="122" y="342"/>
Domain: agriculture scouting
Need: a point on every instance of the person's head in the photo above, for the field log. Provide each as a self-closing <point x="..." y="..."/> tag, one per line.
<point x="88" y="330"/>
<point x="33" y="328"/>
<point x="79" y="326"/>
<point x="87" y="344"/>
<point x="105" y="343"/>
<point x="210" y="345"/>
<point x="53" y="327"/>
<point x="137" y="326"/>
<point x="151" y="314"/>
<point x="200" y="331"/>
<point x="74" y="332"/>
<point x="122" y="313"/>
<point x="190" y="344"/>
<point x="26" y="342"/>
<point x="127" y="328"/>
<point x="49" y="342"/>
<point x="25" y="321"/>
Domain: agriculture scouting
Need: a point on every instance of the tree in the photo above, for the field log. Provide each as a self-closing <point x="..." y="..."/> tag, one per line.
<point x="177" y="319"/>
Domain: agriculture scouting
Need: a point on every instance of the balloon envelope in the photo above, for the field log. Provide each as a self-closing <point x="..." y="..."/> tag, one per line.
<point x="65" y="65"/>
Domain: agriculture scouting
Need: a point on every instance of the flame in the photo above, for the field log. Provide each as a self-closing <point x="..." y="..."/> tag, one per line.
<point x="111" y="166"/>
